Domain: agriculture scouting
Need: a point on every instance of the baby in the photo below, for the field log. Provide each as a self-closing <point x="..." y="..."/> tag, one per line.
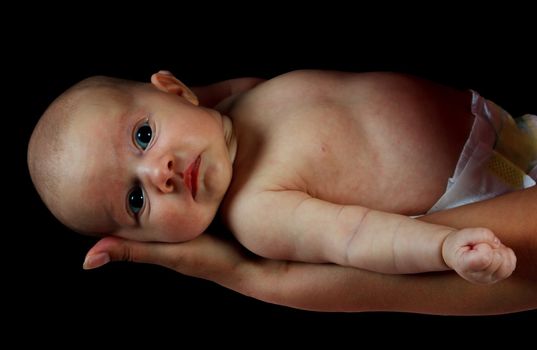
<point x="327" y="166"/>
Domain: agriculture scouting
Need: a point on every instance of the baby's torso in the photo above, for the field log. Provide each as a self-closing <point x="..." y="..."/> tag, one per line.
<point x="383" y="141"/>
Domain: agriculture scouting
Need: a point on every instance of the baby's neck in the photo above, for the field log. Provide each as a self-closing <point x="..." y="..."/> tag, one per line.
<point x="230" y="137"/>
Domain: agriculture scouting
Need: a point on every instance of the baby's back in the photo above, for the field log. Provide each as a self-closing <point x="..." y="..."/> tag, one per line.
<point x="381" y="140"/>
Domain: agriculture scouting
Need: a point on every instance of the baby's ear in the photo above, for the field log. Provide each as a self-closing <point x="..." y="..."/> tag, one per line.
<point x="167" y="82"/>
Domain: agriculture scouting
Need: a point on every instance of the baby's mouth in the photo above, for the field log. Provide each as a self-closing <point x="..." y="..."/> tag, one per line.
<point x="191" y="176"/>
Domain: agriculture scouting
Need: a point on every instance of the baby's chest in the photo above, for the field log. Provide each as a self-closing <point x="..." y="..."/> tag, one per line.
<point x="330" y="162"/>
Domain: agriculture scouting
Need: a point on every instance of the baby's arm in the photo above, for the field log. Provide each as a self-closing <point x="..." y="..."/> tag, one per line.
<point x="296" y="226"/>
<point x="211" y="95"/>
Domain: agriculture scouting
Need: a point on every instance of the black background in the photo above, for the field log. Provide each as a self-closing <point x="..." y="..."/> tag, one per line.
<point x="47" y="285"/>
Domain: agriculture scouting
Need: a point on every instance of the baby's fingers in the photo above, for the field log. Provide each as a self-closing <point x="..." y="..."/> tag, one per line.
<point x="508" y="263"/>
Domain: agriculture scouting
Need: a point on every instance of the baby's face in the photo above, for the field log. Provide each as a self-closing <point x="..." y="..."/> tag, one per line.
<point x="150" y="167"/>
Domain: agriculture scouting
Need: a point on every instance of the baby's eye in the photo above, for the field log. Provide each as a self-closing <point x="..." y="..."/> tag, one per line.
<point x="136" y="200"/>
<point x="143" y="135"/>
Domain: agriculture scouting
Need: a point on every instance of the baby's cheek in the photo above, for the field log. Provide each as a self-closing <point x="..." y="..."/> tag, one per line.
<point x="180" y="227"/>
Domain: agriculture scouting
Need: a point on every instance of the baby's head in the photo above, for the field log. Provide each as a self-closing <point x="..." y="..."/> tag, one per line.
<point x="134" y="160"/>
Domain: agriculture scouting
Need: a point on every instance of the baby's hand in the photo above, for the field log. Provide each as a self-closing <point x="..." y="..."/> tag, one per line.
<point x="478" y="255"/>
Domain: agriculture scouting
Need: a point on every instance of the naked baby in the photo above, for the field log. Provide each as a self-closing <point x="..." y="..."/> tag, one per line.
<point x="314" y="166"/>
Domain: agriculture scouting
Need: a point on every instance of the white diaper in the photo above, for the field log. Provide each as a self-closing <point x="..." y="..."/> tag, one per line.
<point x="499" y="156"/>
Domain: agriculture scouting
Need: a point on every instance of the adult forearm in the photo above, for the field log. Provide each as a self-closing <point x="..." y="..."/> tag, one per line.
<point x="334" y="288"/>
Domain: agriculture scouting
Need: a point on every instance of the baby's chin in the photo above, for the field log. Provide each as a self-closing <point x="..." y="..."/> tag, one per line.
<point x="181" y="237"/>
<point x="177" y="235"/>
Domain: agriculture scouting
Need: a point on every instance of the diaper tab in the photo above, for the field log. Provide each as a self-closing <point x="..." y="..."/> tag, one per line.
<point x="517" y="141"/>
<point x="506" y="171"/>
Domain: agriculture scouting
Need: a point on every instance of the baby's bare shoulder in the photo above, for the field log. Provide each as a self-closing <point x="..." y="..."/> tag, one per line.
<point x="332" y="76"/>
<point x="304" y="87"/>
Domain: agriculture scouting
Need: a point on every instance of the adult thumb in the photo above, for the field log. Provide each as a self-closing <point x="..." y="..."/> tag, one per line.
<point x="118" y="249"/>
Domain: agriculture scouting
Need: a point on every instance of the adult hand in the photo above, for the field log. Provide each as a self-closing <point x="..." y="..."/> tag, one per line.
<point x="328" y="287"/>
<point x="202" y="257"/>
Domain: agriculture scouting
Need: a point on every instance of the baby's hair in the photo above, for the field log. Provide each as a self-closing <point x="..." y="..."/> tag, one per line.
<point x="47" y="145"/>
<point x="45" y="142"/>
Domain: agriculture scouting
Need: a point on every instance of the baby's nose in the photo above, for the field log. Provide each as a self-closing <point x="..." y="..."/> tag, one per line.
<point x="163" y="176"/>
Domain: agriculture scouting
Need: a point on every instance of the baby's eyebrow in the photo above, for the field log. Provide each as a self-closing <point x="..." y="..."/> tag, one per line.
<point x="117" y="199"/>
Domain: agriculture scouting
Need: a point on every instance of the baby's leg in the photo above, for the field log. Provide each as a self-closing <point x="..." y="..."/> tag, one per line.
<point x="478" y="255"/>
